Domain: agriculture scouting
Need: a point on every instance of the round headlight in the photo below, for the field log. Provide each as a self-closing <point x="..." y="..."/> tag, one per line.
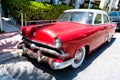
<point x="57" y="43"/>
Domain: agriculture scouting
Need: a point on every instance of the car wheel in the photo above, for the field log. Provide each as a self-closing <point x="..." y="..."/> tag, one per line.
<point x="109" y="38"/>
<point x="118" y="26"/>
<point x="79" y="57"/>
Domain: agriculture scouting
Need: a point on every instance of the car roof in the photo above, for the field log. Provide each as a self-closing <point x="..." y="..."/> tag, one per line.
<point x="86" y="10"/>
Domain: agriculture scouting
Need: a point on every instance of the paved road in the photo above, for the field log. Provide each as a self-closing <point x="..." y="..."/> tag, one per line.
<point x="103" y="64"/>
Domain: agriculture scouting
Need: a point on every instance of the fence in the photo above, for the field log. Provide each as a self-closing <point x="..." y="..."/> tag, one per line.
<point x="23" y="21"/>
<point x="27" y="23"/>
<point x="39" y="22"/>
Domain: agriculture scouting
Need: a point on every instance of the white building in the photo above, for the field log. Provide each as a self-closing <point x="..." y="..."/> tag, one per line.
<point x="109" y="3"/>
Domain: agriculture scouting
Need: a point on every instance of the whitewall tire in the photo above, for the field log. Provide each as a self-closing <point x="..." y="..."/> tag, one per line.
<point x="109" y="38"/>
<point x="79" y="58"/>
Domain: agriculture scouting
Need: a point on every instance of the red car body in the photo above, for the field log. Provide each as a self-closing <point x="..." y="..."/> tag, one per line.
<point x="59" y="43"/>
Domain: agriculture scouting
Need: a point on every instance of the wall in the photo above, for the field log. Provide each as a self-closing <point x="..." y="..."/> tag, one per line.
<point x="103" y="4"/>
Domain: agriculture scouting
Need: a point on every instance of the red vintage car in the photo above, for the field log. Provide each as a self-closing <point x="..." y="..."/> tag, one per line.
<point x="77" y="33"/>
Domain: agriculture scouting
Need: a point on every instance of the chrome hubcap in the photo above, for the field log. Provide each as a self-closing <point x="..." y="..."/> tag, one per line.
<point x="109" y="38"/>
<point x="78" y="56"/>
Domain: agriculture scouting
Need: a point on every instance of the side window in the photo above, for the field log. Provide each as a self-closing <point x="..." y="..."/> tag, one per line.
<point x="106" y="20"/>
<point x="98" y="19"/>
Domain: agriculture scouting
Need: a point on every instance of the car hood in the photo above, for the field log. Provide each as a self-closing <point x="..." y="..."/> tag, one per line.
<point x="48" y="32"/>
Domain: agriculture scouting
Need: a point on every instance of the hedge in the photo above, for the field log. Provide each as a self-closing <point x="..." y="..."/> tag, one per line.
<point x="34" y="10"/>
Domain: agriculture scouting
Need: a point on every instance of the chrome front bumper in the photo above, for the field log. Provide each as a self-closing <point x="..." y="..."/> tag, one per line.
<point x="53" y="64"/>
<point x="56" y="65"/>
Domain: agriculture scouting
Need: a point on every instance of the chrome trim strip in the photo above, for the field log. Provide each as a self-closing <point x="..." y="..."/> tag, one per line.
<point x="47" y="50"/>
<point x="24" y="38"/>
<point x="50" y="51"/>
<point x="29" y="42"/>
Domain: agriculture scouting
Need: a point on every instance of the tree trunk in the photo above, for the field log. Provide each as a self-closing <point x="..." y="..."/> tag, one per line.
<point x="51" y="1"/>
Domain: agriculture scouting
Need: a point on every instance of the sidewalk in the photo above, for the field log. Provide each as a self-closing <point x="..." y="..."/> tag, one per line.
<point x="7" y="27"/>
<point x="9" y="41"/>
<point x="13" y="67"/>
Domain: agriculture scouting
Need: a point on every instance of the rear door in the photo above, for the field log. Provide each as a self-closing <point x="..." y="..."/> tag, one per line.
<point x="100" y="30"/>
<point x="109" y="27"/>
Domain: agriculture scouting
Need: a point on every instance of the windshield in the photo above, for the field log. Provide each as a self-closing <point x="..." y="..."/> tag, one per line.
<point x="79" y="17"/>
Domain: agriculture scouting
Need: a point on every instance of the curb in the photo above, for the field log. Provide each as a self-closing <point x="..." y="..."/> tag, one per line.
<point x="8" y="56"/>
<point x="16" y="32"/>
<point x="12" y="52"/>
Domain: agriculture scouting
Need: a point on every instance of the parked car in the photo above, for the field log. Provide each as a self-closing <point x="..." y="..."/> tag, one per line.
<point x="115" y="17"/>
<point x="77" y="33"/>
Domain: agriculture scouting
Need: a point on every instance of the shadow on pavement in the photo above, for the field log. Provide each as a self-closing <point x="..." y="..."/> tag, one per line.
<point x="7" y="46"/>
<point x="69" y="73"/>
<point x="8" y="41"/>
<point x="20" y="69"/>
<point x="8" y="35"/>
<point x="117" y="30"/>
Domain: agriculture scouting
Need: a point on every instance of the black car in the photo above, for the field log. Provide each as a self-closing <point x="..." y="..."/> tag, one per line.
<point x="115" y="17"/>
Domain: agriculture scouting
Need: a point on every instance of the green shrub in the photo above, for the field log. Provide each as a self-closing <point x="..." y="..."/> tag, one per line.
<point x="34" y="10"/>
